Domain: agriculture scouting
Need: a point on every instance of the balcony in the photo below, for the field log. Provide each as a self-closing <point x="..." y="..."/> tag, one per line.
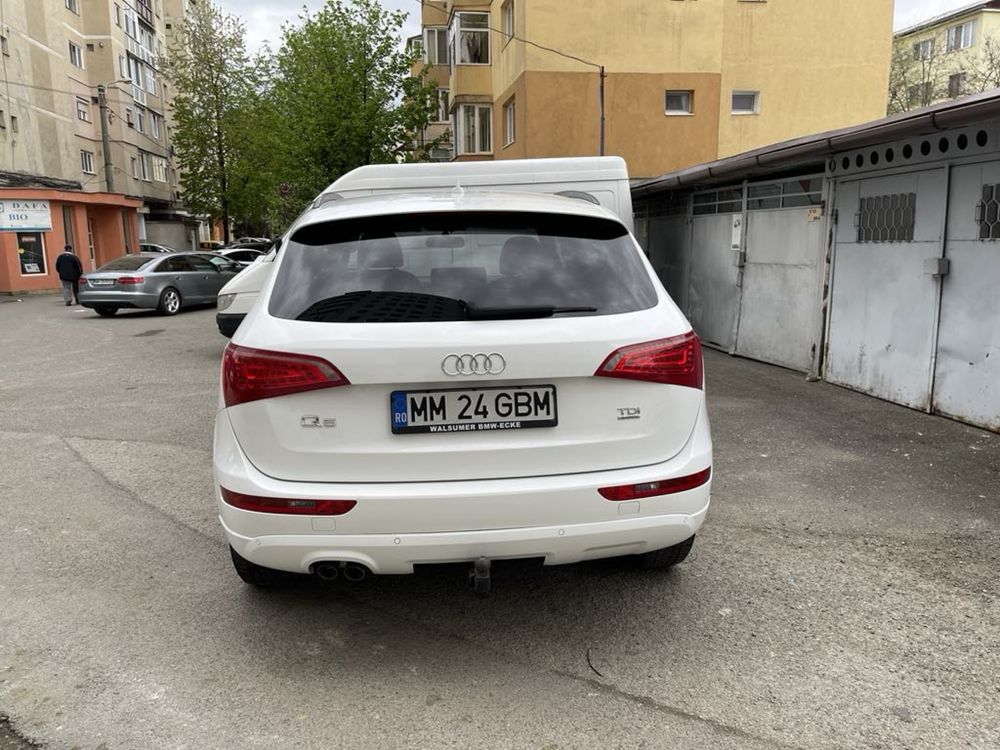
<point x="145" y="10"/>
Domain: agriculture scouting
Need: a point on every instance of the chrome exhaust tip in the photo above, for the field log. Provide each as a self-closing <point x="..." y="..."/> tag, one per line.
<point x="355" y="572"/>
<point x="327" y="571"/>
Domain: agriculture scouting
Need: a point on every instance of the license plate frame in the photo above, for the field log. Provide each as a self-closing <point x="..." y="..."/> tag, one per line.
<point x="399" y="403"/>
<point x="102" y="282"/>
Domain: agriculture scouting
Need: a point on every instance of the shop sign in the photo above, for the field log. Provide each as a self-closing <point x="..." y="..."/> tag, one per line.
<point x="25" y="215"/>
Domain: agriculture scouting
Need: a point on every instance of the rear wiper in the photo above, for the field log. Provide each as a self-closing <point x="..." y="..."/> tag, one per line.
<point x="522" y="312"/>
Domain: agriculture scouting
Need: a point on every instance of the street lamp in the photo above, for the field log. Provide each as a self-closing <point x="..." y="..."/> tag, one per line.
<point x="102" y="104"/>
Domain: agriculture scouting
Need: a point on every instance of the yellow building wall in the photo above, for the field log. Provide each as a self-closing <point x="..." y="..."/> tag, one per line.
<point x="818" y="65"/>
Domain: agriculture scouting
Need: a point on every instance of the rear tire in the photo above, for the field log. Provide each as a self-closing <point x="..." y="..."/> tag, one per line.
<point x="668" y="557"/>
<point x="106" y="311"/>
<point x="258" y="575"/>
<point x="170" y="302"/>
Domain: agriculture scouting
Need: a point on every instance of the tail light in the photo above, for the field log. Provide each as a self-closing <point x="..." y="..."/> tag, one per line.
<point x="252" y="374"/>
<point x="652" y="489"/>
<point x="130" y="280"/>
<point x="676" y="361"/>
<point x="286" y="505"/>
<point x="82" y="280"/>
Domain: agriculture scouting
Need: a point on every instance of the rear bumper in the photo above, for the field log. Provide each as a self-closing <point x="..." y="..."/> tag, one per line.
<point x="395" y="525"/>
<point x="228" y="323"/>
<point x="94" y="298"/>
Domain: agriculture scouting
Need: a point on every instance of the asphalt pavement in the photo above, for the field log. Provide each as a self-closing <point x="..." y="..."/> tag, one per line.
<point x="842" y="594"/>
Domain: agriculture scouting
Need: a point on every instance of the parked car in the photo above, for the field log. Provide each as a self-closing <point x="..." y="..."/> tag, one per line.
<point x="242" y="240"/>
<point x="461" y="378"/>
<point x="154" y="281"/>
<point x="243" y="256"/>
<point x="150" y="247"/>
<point x="211" y="244"/>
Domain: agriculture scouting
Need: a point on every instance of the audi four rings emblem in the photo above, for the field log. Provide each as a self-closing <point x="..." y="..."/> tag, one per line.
<point x="473" y="364"/>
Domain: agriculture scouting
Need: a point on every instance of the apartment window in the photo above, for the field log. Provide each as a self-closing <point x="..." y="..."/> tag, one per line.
<point x="75" y="55"/>
<point x="507" y="20"/>
<point x="129" y="117"/>
<point x="82" y="109"/>
<point x="961" y="36"/>
<point x="3" y="46"/>
<point x="956" y="85"/>
<point x="441" y="105"/>
<point x="746" y="102"/>
<point x="436" y="46"/>
<point x="154" y="121"/>
<point x="151" y="81"/>
<point x="145" y="166"/>
<point x="87" y="161"/>
<point x="159" y="169"/>
<point x="135" y="167"/>
<point x="3" y="121"/>
<point x="140" y="119"/>
<point x="118" y="15"/>
<point x="509" y="122"/>
<point x="474" y="129"/>
<point x="73" y="5"/>
<point x="923" y="50"/>
<point x="471" y="37"/>
<point x="13" y="124"/>
<point x="679" y="102"/>
<point x="122" y="66"/>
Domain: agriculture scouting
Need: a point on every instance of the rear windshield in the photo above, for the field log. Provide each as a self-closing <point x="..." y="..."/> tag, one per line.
<point x="460" y="266"/>
<point x="127" y="263"/>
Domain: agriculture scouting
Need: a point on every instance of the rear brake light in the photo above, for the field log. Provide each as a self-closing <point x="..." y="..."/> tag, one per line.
<point x="676" y="361"/>
<point x="652" y="489"/>
<point x="252" y="374"/>
<point x="286" y="505"/>
<point x="82" y="280"/>
<point x="130" y="279"/>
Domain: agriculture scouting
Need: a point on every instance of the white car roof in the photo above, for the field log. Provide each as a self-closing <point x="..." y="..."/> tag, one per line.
<point x="459" y="200"/>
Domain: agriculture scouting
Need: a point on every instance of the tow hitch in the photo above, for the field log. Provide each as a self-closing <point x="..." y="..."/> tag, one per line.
<point x="479" y="576"/>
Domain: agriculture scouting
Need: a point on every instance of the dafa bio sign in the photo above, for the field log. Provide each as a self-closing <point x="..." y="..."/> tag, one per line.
<point x="25" y="216"/>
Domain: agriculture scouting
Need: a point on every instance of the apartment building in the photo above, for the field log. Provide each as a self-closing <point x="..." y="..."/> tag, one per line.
<point x="65" y="65"/>
<point x="685" y="81"/>
<point x="945" y="57"/>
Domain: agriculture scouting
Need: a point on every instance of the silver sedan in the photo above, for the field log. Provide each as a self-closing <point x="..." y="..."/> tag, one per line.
<point x="156" y="282"/>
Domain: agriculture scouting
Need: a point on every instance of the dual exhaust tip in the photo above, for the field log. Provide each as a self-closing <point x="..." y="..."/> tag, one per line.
<point x="331" y="571"/>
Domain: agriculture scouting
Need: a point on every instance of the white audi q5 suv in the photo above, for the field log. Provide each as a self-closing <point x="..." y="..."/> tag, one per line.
<point x="460" y="378"/>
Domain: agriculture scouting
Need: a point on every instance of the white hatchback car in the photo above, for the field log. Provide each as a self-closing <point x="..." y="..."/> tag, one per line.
<point x="460" y="378"/>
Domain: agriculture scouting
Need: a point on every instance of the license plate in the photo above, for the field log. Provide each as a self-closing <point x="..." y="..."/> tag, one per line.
<point x="102" y="282"/>
<point x="473" y="410"/>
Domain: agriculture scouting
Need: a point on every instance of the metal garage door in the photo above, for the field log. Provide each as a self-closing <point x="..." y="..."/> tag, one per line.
<point x="780" y="300"/>
<point x="883" y="307"/>
<point x="967" y="369"/>
<point x="712" y="292"/>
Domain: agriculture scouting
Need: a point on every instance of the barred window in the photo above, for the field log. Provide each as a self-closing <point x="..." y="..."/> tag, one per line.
<point x="887" y="218"/>
<point x="988" y="213"/>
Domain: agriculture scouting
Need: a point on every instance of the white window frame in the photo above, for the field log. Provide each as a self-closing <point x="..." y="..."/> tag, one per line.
<point x="135" y="167"/>
<point x="923" y="50"/>
<point x="154" y="121"/>
<point x="687" y="110"/>
<point x="442" y="106"/>
<point x="509" y="121"/>
<point x="745" y="92"/>
<point x="82" y="109"/>
<point x="76" y="55"/>
<point x="159" y="169"/>
<point x="507" y="21"/>
<point x="118" y="15"/>
<point x="459" y="31"/>
<point x="961" y="36"/>
<point x="140" y="119"/>
<point x="145" y="166"/>
<point x="435" y="31"/>
<point x="477" y="133"/>
<point x="87" y="161"/>
<point x="73" y="5"/>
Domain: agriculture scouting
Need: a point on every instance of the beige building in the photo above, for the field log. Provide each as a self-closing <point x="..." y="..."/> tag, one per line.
<point x="945" y="57"/>
<point x="687" y="81"/>
<point x="58" y="56"/>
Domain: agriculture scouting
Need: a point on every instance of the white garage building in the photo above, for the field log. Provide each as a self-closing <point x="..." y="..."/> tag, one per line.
<point x="868" y="256"/>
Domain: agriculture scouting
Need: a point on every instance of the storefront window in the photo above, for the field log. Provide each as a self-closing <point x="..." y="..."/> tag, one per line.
<point x="31" y="253"/>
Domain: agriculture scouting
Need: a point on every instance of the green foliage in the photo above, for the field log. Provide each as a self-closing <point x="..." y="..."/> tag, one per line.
<point x="258" y="139"/>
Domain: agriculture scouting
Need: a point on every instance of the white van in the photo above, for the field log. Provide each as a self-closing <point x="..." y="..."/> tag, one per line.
<point x="602" y="180"/>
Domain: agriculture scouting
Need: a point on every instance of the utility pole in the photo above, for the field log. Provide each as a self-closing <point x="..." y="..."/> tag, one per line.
<point x="601" y="99"/>
<point x="109" y="170"/>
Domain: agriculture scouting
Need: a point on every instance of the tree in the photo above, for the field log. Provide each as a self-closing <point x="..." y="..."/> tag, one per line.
<point x="343" y="96"/>
<point x="916" y="74"/>
<point x="213" y="79"/>
<point x="983" y="71"/>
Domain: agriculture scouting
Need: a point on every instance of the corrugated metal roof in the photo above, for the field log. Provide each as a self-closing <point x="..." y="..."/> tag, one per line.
<point x="815" y="149"/>
<point x="945" y="17"/>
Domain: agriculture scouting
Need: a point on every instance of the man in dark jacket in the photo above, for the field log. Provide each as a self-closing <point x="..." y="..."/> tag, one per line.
<point x="70" y="270"/>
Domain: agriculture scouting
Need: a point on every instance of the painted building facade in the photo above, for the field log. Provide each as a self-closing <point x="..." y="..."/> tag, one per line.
<point x="686" y="81"/>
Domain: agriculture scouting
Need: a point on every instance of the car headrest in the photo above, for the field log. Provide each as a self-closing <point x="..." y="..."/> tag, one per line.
<point x="524" y="256"/>
<point x="381" y="252"/>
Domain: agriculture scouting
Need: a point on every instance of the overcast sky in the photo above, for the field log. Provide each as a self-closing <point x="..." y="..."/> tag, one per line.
<point x="265" y="17"/>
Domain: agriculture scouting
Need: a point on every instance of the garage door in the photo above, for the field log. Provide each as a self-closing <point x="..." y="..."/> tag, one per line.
<point x="967" y="369"/>
<point x="883" y="306"/>
<point x="712" y="292"/>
